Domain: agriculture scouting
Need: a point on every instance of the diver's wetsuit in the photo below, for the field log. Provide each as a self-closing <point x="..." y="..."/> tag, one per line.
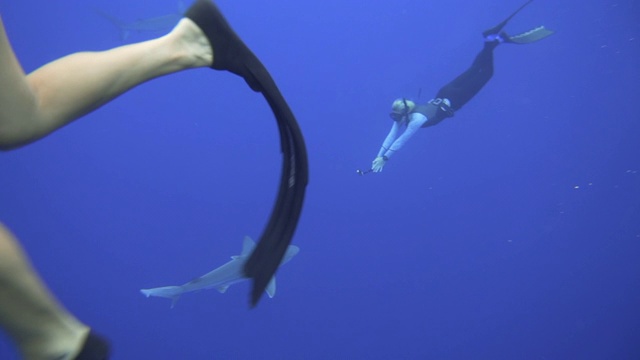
<point x="468" y="84"/>
<point x="461" y="89"/>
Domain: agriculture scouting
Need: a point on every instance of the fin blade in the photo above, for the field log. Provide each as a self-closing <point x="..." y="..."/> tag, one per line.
<point x="527" y="37"/>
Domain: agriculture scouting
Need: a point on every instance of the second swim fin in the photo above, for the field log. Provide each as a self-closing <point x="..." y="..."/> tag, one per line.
<point x="527" y="37"/>
<point x="496" y="29"/>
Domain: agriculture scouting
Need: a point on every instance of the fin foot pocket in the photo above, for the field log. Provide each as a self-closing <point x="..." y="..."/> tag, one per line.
<point x="229" y="51"/>
<point x="95" y="348"/>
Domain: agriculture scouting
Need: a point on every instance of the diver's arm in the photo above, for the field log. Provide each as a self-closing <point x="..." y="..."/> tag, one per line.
<point x="391" y="137"/>
<point x="417" y="120"/>
<point x="34" y="105"/>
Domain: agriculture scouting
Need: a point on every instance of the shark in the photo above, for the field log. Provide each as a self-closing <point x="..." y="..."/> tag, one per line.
<point x="152" y="24"/>
<point x="222" y="277"/>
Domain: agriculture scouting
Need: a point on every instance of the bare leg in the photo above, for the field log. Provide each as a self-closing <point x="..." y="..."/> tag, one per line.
<point x="34" y="105"/>
<point x="40" y="326"/>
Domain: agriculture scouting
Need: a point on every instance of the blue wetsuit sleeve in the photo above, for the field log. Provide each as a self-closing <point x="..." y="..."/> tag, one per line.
<point x="417" y="120"/>
<point x="391" y="137"/>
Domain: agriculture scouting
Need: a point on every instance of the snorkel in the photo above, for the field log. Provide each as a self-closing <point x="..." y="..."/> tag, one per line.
<point x="405" y="110"/>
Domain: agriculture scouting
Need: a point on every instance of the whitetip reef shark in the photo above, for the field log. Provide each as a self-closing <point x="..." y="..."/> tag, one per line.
<point x="222" y="277"/>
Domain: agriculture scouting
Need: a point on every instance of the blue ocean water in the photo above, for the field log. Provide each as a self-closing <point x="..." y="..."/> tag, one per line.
<point x="511" y="231"/>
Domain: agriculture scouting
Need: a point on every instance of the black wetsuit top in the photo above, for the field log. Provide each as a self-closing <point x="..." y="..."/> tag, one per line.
<point x="432" y="112"/>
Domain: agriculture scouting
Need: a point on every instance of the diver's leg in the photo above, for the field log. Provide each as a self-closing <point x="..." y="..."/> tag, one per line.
<point x="39" y="325"/>
<point x="468" y="84"/>
<point x="32" y="106"/>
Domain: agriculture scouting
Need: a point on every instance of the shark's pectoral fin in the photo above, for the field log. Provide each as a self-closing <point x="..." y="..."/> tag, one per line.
<point x="174" y="300"/>
<point x="222" y="289"/>
<point x="271" y="287"/>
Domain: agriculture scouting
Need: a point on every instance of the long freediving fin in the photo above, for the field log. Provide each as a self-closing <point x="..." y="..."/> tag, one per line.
<point x="496" y="29"/>
<point x="527" y="37"/>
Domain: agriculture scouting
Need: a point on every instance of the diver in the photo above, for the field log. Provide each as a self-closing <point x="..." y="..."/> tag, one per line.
<point x="408" y="116"/>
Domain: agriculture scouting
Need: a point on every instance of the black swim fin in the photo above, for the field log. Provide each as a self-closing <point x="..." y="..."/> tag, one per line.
<point x="95" y="348"/>
<point x="496" y="29"/>
<point x="527" y="37"/>
<point x="231" y="54"/>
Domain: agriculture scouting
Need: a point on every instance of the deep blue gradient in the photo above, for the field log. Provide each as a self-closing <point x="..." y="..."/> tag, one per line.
<point x="511" y="231"/>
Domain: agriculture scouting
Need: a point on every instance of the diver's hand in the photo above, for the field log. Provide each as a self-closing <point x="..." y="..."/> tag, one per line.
<point x="378" y="163"/>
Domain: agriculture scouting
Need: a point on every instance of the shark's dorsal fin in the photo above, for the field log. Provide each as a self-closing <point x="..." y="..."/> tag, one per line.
<point x="247" y="246"/>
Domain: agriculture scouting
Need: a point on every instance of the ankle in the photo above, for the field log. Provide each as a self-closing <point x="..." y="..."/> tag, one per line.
<point x="63" y="343"/>
<point x="192" y="47"/>
<point x="494" y="37"/>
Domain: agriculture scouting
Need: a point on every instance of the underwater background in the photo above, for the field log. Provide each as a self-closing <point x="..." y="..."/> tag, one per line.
<point x="510" y="231"/>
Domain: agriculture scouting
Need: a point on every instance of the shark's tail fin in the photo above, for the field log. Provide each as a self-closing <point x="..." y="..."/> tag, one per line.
<point x="169" y="292"/>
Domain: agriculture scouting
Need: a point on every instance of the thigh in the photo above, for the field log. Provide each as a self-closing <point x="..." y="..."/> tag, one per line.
<point x="16" y="97"/>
